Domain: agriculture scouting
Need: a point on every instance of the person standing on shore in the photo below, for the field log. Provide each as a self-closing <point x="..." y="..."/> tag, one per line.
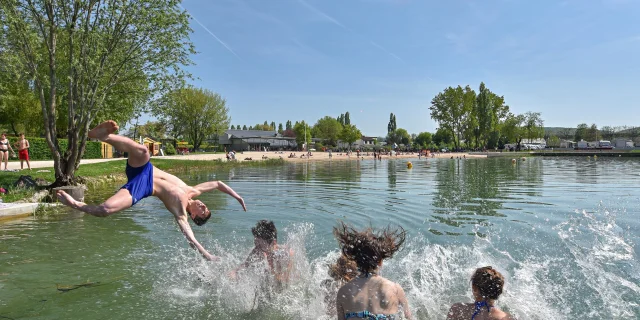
<point x="5" y="146"/>
<point x="23" y="151"/>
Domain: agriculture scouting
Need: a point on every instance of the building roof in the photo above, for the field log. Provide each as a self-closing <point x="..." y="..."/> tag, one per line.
<point x="250" y="133"/>
<point x="364" y="138"/>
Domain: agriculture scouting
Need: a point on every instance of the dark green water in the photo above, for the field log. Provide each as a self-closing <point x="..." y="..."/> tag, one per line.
<point x="564" y="232"/>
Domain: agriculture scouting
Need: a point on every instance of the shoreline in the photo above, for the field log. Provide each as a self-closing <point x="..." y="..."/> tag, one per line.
<point x="315" y="156"/>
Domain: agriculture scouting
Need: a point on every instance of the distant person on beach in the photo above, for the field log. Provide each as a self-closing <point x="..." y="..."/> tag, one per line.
<point x="23" y="151"/>
<point x="145" y="180"/>
<point x="370" y="296"/>
<point x="5" y="146"/>
<point x="487" y="284"/>
<point x="278" y="258"/>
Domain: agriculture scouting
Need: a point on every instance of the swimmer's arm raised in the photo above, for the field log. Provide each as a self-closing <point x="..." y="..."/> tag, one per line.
<point x="217" y="185"/>
<point x="188" y="233"/>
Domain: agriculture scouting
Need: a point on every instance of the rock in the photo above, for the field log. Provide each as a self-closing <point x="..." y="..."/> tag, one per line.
<point x="76" y="192"/>
<point x="25" y="182"/>
<point x="41" y="182"/>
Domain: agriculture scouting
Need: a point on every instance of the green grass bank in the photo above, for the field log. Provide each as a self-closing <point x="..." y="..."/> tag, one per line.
<point x="91" y="174"/>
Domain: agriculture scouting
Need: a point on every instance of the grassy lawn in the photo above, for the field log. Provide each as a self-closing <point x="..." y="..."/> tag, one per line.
<point x="96" y="170"/>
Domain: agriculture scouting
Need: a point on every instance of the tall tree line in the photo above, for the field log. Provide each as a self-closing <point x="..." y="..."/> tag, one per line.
<point x="481" y="120"/>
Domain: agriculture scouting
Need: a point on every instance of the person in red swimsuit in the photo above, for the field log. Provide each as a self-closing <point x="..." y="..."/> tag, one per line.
<point x="23" y="151"/>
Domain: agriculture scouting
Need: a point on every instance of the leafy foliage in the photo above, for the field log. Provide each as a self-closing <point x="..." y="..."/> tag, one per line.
<point x="94" y="60"/>
<point x="299" y="129"/>
<point x="328" y="129"/>
<point x="350" y="134"/>
<point x="196" y="113"/>
<point x="423" y="139"/>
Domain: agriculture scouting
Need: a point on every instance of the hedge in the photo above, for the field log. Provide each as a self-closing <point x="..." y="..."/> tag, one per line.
<point x="39" y="149"/>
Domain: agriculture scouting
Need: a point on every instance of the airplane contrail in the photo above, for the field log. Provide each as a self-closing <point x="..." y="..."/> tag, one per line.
<point x="211" y="33"/>
<point x="338" y="23"/>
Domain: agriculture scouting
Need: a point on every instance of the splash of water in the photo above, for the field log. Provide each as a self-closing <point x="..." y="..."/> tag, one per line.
<point x="584" y="276"/>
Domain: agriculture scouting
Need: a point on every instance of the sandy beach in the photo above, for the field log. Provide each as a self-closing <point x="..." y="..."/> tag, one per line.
<point x="255" y="156"/>
<point x="316" y="156"/>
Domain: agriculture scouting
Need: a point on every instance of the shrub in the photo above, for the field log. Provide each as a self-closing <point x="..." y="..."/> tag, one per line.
<point x="39" y="149"/>
<point x="170" y="149"/>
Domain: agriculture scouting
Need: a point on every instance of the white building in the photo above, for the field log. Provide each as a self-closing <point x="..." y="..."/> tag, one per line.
<point x="622" y="143"/>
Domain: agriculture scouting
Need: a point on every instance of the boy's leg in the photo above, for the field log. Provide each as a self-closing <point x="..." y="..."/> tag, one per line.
<point x="118" y="202"/>
<point x="138" y="153"/>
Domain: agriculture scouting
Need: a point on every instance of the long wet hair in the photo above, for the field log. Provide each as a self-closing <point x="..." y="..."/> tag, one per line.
<point x="369" y="247"/>
<point x="488" y="281"/>
<point x="344" y="270"/>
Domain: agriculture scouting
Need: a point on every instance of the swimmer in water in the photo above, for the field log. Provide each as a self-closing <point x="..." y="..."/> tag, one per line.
<point x="487" y="284"/>
<point x="145" y="180"/>
<point x="279" y="258"/>
<point x="341" y="272"/>
<point x="369" y="295"/>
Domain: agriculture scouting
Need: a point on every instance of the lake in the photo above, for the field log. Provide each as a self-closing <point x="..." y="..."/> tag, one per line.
<point x="564" y="232"/>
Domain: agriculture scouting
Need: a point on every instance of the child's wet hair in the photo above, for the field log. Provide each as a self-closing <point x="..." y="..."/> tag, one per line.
<point x="265" y="230"/>
<point x="488" y="281"/>
<point x="343" y="270"/>
<point x="368" y="248"/>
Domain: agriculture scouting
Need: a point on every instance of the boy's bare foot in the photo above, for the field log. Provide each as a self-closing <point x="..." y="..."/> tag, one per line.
<point x="102" y="130"/>
<point x="65" y="198"/>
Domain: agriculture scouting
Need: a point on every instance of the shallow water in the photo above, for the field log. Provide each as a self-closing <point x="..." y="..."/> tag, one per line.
<point x="564" y="232"/>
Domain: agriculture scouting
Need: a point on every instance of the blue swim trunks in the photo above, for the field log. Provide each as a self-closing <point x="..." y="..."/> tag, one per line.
<point x="140" y="181"/>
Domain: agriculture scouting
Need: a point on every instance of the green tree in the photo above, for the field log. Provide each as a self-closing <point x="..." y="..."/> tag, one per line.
<point x="483" y="112"/>
<point x="533" y="126"/>
<point x="288" y="126"/>
<point x="273" y="126"/>
<point x="350" y="134"/>
<point x="155" y="129"/>
<point x="327" y="129"/>
<point x="302" y="133"/>
<point x="608" y="133"/>
<point x="423" y="139"/>
<point x="244" y="127"/>
<point x="391" y="127"/>
<point x="553" y="141"/>
<point x="95" y="60"/>
<point x="19" y="108"/>
<point x="448" y="108"/>
<point x="341" y="119"/>
<point x="565" y="133"/>
<point x="347" y="118"/>
<point x="581" y="132"/>
<point x="513" y="130"/>
<point x="280" y="129"/>
<point x="232" y="127"/>
<point x="442" y="138"/>
<point x="470" y="130"/>
<point x="593" y="133"/>
<point x="199" y="113"/>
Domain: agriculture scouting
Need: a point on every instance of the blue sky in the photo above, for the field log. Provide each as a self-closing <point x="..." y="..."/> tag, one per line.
<point x="574" y="60"/>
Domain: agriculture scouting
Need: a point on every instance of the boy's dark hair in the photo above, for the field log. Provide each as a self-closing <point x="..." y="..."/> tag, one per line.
<point x="21" y="134"/>
<point x="265" y="230"/>
<point x="368" y="248"/>
<point x="200" y="221"/>
<point x="488" y="281"/>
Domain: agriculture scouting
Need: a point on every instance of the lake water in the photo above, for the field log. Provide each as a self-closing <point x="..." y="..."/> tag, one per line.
<point x="564" y="233"/>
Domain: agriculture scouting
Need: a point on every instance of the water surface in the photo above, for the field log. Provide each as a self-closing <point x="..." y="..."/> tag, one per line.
<point x="564" y="232"/>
